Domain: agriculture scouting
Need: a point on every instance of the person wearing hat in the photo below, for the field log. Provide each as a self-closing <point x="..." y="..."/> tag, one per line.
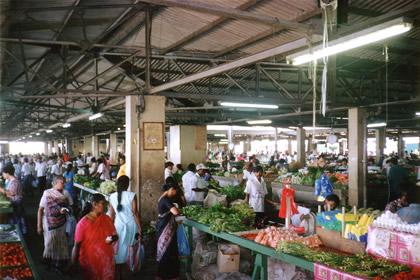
<point x="195" y="185"/>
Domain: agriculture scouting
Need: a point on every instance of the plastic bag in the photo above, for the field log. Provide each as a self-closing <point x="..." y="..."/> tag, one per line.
<point x="70" y="228"/>
<point x="323" y="186"/>
<point x="214" y="198"/>
<point x="183" y="244"/>
<point x="135" y="256"/>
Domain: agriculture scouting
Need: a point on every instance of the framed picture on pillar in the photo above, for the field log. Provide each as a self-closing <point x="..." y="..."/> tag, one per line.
<point x="153" y="136"/>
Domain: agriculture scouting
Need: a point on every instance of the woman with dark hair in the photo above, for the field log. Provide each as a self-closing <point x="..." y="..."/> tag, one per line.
<point x="94" y="238"/>
<point x="166" y="228"/>
<point x="14" y="193"/>
<point x="126" y="219"/>
<point x="53" y="207"/>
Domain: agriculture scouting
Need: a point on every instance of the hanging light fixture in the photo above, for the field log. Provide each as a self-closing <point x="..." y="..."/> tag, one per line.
<point x="358" y="39"/>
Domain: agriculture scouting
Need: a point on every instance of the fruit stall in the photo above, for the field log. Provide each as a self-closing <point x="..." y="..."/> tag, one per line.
<point x="314" y="253"/>
<point x="15" y="259"/>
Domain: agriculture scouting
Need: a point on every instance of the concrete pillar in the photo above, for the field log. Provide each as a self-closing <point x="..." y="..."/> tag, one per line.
<point x="276" y="140"/>
<point x="357" y="156"/>
<point x="380" y="143"/>
<point x="46" y="148"/>
<point x="310" y="146"/>
<point x="49" y="147"/>
<point x="132" y="142"/>
<point x="230" y="138"/>
<point x="289" y="145"/>
<point x="300" y="138"/>
<point x="87" y="146"/>
<point x="95" y="146"/>
<point x="188" y="144"/>
<point x="113" y="151"/>
<point x="151" y="163"/>
<point x="56" y="147"/>
<point x="401" y="146"/>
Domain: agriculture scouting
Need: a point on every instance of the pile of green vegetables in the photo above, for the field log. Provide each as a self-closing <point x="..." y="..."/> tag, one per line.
<point x="361" y="265"/>
<point x="88" y="182"/>
<point x="4" y="202"/>
<point x="232" y="192"/>
<point x="220" y="218"/>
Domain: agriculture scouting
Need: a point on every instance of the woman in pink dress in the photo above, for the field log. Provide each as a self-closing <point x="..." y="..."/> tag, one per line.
<point x="94" y="239"/>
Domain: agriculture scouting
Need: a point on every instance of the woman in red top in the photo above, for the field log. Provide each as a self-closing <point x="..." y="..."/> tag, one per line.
<point x="94" y="238"/>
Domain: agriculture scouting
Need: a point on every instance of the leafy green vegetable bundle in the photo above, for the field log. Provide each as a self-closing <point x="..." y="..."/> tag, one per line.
<point x="360" y="265"/>
<point x="233" y="192"/>
<point x="220" y="218"/>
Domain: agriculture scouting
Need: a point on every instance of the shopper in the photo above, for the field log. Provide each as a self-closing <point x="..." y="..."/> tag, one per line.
<point x="41" y="168"/>
<point x="69" y="176"/>
<point x="397" y="179"/>
<point x="188" y="182"/>
<point x="53" y="208"/>
<point x="103" y="170"/>
<point x="121" y="170"/>
<point x="27" y="177"/>
<point x="93" y="166"/>
<point x="57" y="169"/>
<point x="14" y="193"/>
<point x="166" y="229"/>
<point x="169" y="166"/>
<point x="18" y="168"/>
<point x="94" y="239"/>
<point x="126" y="219"/>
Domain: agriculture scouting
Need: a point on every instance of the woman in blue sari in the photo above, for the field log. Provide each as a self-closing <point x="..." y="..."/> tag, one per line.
<point x="166" y="228"/>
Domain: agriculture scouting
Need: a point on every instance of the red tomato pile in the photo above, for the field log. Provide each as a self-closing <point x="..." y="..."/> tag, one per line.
<point x="16" y="273"/>
<point x="12" y="254"/>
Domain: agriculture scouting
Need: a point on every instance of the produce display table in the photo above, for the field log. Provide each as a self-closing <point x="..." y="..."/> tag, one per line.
<point x="85" y="193"/>
<point x="20" y="240"/>
<point x="4" y="214"/>
<point x="261" y="252"/>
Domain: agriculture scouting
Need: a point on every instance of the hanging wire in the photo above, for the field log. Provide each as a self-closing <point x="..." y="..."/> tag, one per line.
<point x="386" y="82"/>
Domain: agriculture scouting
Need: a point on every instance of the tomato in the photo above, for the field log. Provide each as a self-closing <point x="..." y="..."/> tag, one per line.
<point x="12" y="255"/>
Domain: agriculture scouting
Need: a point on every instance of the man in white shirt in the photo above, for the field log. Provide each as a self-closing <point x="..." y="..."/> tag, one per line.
<point x="189" y="180"/>
<point x="41" y="168"/>
<point x="194" y="184"/>
<point x="169" y="166"/>
<point x="57" y="169"/>
<point x="256" y="191"/>
<point x="27" y="177"/>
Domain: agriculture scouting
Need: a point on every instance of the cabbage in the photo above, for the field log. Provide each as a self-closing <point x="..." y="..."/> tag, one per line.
<point x="107" y="187"/>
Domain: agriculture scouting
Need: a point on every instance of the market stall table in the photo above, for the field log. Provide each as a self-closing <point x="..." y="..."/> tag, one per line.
<point x="262" y="252"/>
<point x="13" y="235"/>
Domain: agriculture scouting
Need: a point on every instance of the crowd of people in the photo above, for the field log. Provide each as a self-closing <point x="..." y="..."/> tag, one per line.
<point x="98" y="238"/>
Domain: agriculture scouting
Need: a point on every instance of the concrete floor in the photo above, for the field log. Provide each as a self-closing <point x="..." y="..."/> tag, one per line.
<point x="36" y="246"/>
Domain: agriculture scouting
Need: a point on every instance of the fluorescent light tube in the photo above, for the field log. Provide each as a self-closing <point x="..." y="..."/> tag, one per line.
<point x="95" y="116"/>
<point x="249" y="105"/>
<point x="66" y="125"/>
<point x="30" y="136"/>
<point x="352" y="41"/>
<point x="48" y="131"/>
<point x="259" y="122"/>
<point x="382" y="124"/>
<point x="417" y="113"/>
<point x="219" y="135"/>
<point x="37" y="134"/>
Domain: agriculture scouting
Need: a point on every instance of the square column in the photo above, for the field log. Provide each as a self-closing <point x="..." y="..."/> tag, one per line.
<point x="357" y="156"/>
<point x="401" y="146"/>
<point x="289" y="145"/>
<point x="151" y="162"/>
<point x="95" y="146"/>
<point x="56" y="147"/>
<point x="87" y="145"/>
<point x="300" y="138"/>
<point x="113" y="151"/>
<point x="132" y="142"/>
<point x="188" y="144"/>
<point x="380" y="143"/>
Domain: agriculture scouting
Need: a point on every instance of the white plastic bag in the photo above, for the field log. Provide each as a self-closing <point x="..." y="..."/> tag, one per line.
<point x="213" y="198"/>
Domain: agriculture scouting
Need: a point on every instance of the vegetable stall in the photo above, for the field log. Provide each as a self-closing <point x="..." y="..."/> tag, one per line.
<point x="307" y="252"/>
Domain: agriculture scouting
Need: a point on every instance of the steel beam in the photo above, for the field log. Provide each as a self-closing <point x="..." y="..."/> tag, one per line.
<point x="231" y="13"/>
<point x="194" y="36"/>
<point x="264" y="35"/>
<point x="232" y="65"/>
